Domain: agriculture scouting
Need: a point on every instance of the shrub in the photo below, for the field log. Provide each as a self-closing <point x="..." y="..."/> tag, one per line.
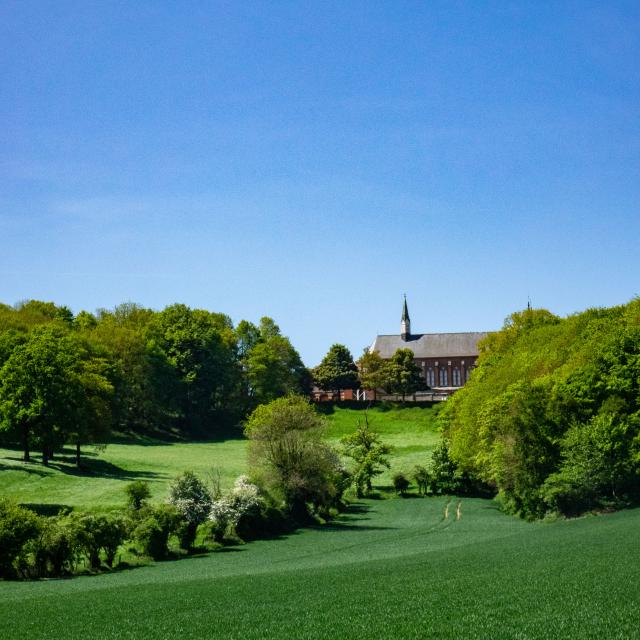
<point x="58" y="547"/>
<point x="102" y="533"/>
<point x="400" y="483"/>
<point x="154" y="528"/>
<point x="189" y="495"/>
<point x="17" y="527"/>
<point x="423" y="479"/>
<point x="243" y="501"/>
<point x="138" y="493"/>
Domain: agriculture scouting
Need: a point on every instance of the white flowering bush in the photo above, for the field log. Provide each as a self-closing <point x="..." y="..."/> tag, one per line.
<point x="189" y="495"/>
<point x="227" y="511"/>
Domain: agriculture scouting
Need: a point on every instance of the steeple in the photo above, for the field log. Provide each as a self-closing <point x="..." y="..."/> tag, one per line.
<point x="405" y="322"/>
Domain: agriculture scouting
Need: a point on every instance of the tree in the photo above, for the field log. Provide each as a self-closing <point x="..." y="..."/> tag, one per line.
<point x="199" y="346"/>
<point x="373" y="371"/>
<point x="369" y="454"/>
<point x="404" y="374"/>
<point x="337" y="370"/>
<point x="287" y="452"/>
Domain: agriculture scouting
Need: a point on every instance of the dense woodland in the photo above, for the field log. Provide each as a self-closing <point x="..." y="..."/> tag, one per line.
<point x="551" y="415"/>
<point x="183" y="371"/>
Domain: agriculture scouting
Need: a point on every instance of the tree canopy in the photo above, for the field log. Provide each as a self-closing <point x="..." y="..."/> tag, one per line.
<point x="551" y="415"/>
<point x="337" y="370"/>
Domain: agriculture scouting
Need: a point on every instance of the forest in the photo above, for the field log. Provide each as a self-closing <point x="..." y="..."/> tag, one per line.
<point x="551" y="415"/>
<point x="185" y="372"/>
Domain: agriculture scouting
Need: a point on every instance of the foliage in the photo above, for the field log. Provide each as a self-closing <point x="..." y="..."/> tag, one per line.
<point x="403" y="374"/>
<point x="272" y="366"/>
<point x="102" y="533"/>
<point x="367" y="570"/>
<point x="189" y="495"/>
<point x="373" y="371"/>
<point x="337" y="370"/>
<point x="67" y="379"/>
<point x="550" y="417"/>
<point x="288" y="454"/>
<point x="423" y="479"/>
<point x="17" y="527"/>
<point x="154" y="528"/>
<point x="369" y="453"/>
<point x="58" y="546"/>
<point x="401" y="483"/>
<point x="242" y="502"/>
<point x="138" y="493"/>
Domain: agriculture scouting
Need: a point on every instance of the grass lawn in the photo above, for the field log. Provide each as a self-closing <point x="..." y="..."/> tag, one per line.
<point x="388" y="569"/>
<point x="411" y="431"/>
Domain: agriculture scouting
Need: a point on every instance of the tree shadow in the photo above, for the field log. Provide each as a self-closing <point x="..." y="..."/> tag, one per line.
<point x="103" y="469"/>
<point x="26" y="467"/>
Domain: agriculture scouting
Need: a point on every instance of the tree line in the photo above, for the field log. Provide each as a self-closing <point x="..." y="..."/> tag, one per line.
<point x="551" y="415"/>
<point x="68" y="378"/>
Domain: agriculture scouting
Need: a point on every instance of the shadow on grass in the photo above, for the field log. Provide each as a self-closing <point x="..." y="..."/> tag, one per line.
<point x="101" y="469"/>
<point x="47" y="509"/>
<point x="27" y="467"/>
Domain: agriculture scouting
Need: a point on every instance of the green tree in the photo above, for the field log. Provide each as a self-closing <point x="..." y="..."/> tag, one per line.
<point x="369" y="454"/>
<point x="199" y="346"/>
<point x="287" y="452"/>
<point x="404" y="374"/>
<point x="373" y="371"/>
<point x="337" y="370"/>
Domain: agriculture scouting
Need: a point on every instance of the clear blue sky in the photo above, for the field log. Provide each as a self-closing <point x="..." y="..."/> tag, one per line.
<point x="313" y="161"/>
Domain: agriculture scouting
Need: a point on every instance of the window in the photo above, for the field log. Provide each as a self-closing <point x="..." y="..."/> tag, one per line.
<point x="444" y="378"/>
<point x="430" y="377"/>
<point x="467" y="374"/>
<point x="455" y="374"/>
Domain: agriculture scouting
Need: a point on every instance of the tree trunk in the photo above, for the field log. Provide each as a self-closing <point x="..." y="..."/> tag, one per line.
<point x="45" y="455"/>
<point x="25" y="442"/>
<point x="78" y="454"/>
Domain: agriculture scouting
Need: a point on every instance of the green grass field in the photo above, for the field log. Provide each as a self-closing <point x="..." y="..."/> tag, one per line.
<point x="411" y="431"/>
<point x="388" y="569"/>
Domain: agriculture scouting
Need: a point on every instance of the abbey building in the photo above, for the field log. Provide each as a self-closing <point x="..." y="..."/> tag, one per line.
<point x="446" y="359"/>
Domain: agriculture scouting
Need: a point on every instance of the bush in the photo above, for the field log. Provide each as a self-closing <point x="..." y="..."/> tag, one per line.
<point x="189" y="495"/>
<point x="102" y="533"/>
<point x="154" y="528"/>
<point x="58" y="547"/>
<point x="400" y="483"/>
<point x="18" y="526"/>
<point x="243" y="501"/>
<point x="138" y="493"/>
<point x="423" y="479"/>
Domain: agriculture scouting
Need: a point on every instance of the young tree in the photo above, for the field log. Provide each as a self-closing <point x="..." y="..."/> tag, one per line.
<point x="337" y="370"/>
<point x="369" y="454"/>
<point x="286" y="450"/>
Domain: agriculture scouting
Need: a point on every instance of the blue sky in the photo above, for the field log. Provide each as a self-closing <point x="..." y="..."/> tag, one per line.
<point x="313" y="161"/>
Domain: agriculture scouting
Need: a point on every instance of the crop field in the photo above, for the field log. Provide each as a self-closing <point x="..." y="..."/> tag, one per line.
<point x="400" y="568"/>
<point x="100" y="486"/>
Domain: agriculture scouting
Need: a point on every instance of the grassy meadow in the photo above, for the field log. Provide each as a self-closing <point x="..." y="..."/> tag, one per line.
<point x="100" y="486"/>
<point x="387" y="569"/>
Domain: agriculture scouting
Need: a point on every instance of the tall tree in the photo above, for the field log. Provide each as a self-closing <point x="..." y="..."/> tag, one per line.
<point x="373" y="371"/>
<point x="337" y="370"/>
<point x="404" y="374"/>
<point x="272" y="366"/>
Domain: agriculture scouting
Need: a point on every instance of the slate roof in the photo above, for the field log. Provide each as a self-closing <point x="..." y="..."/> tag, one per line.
<point x="431" y="345"/>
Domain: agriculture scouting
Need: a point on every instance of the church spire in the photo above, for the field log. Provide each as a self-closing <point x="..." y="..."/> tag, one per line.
<point x="405" y="322"/>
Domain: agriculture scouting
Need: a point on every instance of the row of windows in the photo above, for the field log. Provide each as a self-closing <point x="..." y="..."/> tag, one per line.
<point x="443" y="377"/>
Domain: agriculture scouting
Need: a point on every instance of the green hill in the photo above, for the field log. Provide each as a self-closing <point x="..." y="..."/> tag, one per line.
<point x="388" y="569"/>
<point x="411" y="430"/>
